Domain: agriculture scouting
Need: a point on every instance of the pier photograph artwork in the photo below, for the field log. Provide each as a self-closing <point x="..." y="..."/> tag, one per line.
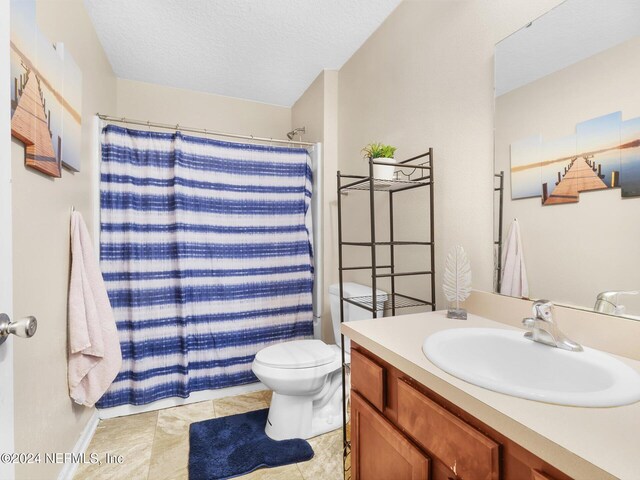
<point x="603" y="153"/>
<point x="46" y="96"/>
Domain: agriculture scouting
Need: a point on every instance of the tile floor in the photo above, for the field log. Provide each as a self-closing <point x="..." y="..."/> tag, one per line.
<point x="155" y="445"/>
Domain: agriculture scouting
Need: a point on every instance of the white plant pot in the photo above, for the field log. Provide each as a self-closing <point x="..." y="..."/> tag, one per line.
<point x="384" y="172"/>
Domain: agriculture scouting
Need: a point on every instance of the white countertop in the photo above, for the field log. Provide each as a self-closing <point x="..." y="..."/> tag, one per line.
<point x="585" y="443"/>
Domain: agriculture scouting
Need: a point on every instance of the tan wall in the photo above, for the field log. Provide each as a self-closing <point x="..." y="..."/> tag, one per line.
<point x="46" y="420"/>
<point x="308" y="111"/>
<point x="157" y="103"/>
<point x="330" y="221"/>
<point x="575" y="251"/>
<point x="425" y="79"/>
<point x="317" y="111"/>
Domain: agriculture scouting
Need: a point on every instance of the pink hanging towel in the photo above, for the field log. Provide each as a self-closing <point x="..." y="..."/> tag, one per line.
<point x="94" y="347"/>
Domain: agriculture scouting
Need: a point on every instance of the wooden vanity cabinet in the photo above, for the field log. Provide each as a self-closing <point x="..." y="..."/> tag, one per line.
<point x="402" y="430"/>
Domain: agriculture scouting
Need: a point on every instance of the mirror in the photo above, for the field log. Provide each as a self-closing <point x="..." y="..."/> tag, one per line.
<point x="567" y="137"/>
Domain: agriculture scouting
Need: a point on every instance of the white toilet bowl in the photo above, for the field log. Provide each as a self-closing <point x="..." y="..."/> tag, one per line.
<point x="306" y="376"/>
<point x="307" y="400"/>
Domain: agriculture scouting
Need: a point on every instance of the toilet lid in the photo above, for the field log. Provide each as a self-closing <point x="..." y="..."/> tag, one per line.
<point x="297" y="354"/>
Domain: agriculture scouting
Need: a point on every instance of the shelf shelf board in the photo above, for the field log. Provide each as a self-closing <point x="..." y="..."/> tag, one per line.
<point x="404" y="274"/>
<point x="365" y="267"/>
<point x="398" y="300"/>
<point x="394" y="243"/>
<point x="380" y="185"/>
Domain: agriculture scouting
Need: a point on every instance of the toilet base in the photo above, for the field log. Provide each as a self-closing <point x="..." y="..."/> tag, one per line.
<point x="296" y="417"/>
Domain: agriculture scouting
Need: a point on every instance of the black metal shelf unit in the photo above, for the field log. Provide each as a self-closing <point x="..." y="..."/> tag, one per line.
<point x="423" y="171"/>
<point x="498" y="242"/>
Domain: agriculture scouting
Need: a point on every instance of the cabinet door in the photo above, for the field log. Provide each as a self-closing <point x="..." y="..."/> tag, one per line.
<point x="367" y="378"/>
<point x="379" y="451"/>
<point x="468" y="452"/>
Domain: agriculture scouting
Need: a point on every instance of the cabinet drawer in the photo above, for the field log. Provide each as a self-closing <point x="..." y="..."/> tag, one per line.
<point x="367" y="378"/>
<point x="466" y="451"/>
<point x="380" y="451"/>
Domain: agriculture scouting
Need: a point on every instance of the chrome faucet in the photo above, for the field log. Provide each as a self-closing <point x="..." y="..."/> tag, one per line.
<point x="545" y="330"/>
<point x="607" y="302"/>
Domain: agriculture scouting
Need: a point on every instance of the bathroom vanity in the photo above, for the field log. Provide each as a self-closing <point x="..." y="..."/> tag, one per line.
<point x="410" y="419"/>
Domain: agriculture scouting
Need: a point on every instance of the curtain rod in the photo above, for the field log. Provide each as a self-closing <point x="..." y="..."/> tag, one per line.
<point x="179" y="127"/>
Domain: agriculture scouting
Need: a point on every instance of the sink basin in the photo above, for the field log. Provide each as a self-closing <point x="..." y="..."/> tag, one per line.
<point x="506" y="362"/>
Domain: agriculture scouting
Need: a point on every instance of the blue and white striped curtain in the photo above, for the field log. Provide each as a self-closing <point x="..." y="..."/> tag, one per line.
<point x="207" y="257"/>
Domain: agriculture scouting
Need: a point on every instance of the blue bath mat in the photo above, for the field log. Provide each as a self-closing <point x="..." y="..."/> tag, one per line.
<point x="230" y="446"/>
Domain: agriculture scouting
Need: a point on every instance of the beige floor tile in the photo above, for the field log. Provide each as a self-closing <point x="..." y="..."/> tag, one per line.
<point x="288" y="472"/>
<point x="347" y="467"/>
<point x="240" y="404"/>
<point x="155" y="445"/>
<point x="131" y="437"/>
<point x="170" y="453"/>
<point x="327" y="461"/>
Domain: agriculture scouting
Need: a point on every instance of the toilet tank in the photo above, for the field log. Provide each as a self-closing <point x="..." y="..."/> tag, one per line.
<point x="351" y="312"/>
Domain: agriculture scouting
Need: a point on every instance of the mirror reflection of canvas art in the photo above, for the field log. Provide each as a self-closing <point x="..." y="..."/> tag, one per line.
<point x="603" y="153"/>
<point x="630" y="158"/>
<point x="46" y="96"/>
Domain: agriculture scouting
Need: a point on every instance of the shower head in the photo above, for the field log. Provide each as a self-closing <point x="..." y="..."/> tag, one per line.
<point x="296" y="131"/>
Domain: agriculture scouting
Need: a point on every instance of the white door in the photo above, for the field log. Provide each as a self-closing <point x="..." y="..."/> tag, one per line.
<point x="6" y="283"/>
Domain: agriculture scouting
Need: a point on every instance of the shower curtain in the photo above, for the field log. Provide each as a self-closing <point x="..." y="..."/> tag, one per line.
<point x="207" y="257"/>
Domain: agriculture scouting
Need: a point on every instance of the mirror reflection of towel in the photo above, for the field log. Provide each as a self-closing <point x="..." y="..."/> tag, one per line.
<point x="514" y="274"/>
<point x="95" y="357"/>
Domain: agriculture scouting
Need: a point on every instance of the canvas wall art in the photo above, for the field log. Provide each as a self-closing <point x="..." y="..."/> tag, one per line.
<point x="46" y="96"/>
<point x="603" y="153"/>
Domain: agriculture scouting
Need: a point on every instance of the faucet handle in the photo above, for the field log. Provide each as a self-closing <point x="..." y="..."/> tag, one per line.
<point x="614" y="293"/>
<point x="542" y="309"/>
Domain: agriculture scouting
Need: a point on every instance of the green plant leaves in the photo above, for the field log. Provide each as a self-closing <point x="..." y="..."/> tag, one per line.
<point x="378" y="150"/>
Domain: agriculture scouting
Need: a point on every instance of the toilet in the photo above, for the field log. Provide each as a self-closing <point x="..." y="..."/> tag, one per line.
<point x="306" y="375"/>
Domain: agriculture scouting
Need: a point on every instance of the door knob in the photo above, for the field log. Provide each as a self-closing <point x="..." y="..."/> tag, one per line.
<point x="25" y="327"/>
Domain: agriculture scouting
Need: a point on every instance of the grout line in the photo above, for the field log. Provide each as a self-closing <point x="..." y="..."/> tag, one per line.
<point x="155" y="430"/>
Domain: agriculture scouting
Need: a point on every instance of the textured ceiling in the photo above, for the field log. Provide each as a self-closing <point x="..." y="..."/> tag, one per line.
<point x="262" y="50"/>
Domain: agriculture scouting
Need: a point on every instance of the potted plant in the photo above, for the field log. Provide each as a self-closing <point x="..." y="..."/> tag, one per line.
<point x="382" y="152"/>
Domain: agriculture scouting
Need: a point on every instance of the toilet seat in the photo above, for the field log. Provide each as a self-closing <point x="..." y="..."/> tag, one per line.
<point x="296" y="354"/>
